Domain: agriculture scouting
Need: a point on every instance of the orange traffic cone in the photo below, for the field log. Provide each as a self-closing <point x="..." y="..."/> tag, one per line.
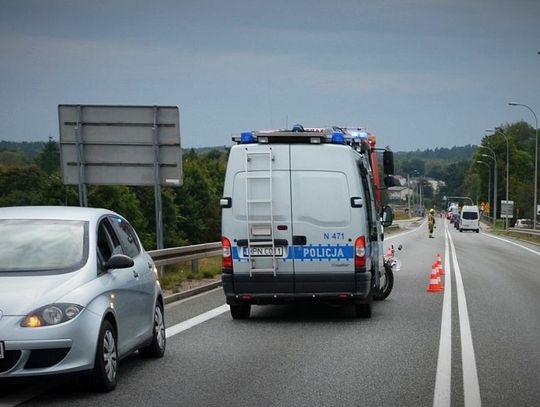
<point x="435" y="285"/>
<point x="439" y="263"/>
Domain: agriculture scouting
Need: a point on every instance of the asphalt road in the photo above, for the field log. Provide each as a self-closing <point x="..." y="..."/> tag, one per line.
<point x="476" y="342"/>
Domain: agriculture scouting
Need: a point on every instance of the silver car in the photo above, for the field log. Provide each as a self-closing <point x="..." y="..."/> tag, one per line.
<point x="77" y="294"/>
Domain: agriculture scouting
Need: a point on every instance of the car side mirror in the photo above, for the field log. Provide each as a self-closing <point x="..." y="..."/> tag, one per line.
<point x="119" y="261"/>
<point x="387" y="216"/>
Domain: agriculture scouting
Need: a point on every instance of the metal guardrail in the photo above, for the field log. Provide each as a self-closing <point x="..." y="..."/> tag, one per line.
<point x="525" y="231"/>
<point x="192" y="253"/>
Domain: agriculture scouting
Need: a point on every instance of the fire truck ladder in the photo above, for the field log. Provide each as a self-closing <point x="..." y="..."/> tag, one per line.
<point x="258" y="166"/>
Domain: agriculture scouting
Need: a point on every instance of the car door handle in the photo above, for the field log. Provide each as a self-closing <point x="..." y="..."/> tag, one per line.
<point x="299" y="240"/>
<point x="135" y="274"/>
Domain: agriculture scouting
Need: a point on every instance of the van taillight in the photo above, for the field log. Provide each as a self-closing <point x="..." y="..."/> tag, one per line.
<point x="360" y="252"/>
<point x="227" y="253"/>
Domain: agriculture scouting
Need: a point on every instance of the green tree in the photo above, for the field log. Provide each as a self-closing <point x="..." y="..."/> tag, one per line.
<point x="20" y="185"/>
<point x="199" y="211"/>
<point x="521" y="170"/>
<point x="49" y="158"/>
<point x="13" y="158"/>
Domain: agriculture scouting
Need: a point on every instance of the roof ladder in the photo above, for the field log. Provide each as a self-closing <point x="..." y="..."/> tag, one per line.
<point x="258" y="165"/>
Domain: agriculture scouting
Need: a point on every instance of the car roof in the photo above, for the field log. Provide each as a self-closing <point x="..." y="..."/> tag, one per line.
<point x="54" y="212"/>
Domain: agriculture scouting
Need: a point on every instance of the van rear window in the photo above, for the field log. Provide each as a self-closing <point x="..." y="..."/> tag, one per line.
<point x="470" y="215"/>
<point x="321" y="198"/>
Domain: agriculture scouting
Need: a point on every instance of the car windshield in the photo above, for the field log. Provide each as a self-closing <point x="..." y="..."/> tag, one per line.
<point x="39" y="245"/>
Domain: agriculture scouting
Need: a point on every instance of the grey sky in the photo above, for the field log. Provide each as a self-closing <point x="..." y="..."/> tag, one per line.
<point x="418" y="73"/>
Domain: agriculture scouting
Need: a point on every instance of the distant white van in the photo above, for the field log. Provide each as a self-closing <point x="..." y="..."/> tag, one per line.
<point x="470" y="218"/>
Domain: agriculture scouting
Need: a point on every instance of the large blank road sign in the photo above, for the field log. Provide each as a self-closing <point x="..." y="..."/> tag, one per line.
<point x="120" y="145"/>
<point x="507" y="209"/>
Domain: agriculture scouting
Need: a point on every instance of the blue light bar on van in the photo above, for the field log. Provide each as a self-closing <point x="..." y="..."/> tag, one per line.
<point x="338" y="138"/>
<point x="357" y="135"/>
<point x="247" y="137"/>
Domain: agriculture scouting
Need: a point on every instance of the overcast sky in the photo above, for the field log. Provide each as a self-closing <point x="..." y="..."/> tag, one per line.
<point x="417" y="73"/>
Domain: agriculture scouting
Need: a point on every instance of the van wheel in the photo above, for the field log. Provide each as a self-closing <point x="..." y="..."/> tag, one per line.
<point x="460" y="230"/>
<point x="105" y="374"/>
<point x="477" y="230"/>
<point x="386" y="285"/>
<point x="241" y="311"/>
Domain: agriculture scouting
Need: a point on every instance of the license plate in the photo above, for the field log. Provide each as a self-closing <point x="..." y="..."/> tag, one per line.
<point x="1" y="350"/>
<point x="263" y="251"/>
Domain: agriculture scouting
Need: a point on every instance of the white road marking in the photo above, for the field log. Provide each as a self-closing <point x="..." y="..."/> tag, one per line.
<point x="404" y="233"/>
<point x="471" y="388"/>
<point x="443" y="378"/>
<point x="199" y="319"/>
<point x="514" y="243"/>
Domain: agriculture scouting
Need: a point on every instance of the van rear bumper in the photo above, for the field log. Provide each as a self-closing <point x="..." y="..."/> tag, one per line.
<point x="361" y="295"/>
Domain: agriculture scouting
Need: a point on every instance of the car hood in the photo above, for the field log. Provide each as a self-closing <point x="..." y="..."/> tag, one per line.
<point x="20" y="295"/>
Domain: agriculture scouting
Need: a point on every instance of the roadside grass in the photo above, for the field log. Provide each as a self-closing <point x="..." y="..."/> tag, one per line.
<point x="520" y="236"/>
<point x="391" y="229"/>
<point x="401" y="216"/>
<point x="176" y="274"/>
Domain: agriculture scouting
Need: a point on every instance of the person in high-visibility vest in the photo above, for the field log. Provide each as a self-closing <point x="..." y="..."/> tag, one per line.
<point x="431" y="222"/>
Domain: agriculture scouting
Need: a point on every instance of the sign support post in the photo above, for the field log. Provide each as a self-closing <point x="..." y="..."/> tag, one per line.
<point x="157" y="185"/>
<point x="83" y="198"/>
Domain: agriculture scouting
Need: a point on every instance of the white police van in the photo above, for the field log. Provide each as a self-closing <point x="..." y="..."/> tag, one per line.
<point x="300" y="220"/>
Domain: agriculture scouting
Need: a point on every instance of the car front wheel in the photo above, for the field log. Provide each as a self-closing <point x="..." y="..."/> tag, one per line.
<point x="105" y="374"/>
<point x="156" y="348"/>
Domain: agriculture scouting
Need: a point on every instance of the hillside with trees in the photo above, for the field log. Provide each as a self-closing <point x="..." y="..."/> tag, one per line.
<point x="449" y="165"/>
<point x="521" y="144"/>
<point x="191" y="214"/>
<point x="30" y="175"/>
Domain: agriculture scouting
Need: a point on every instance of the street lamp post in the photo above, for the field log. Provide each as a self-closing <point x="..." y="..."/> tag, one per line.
<point x="535" y="160"/>
<point x="489" y="181"/>
<point x="497" y="130"/>
<point x="494" y="158"/>
<point x="409" y="191"/>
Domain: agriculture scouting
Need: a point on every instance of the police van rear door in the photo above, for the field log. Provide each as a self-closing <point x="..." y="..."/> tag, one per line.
<point x="324" y="225"/>
<point x="261" y="219"/>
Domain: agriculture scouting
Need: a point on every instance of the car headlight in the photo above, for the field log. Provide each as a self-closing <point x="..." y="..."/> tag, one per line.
<point x="52" y="314"/>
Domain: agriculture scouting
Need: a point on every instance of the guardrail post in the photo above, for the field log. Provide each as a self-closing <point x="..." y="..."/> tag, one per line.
<point x="195" y="265"/>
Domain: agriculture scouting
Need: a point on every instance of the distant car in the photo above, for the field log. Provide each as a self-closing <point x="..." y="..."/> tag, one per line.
<point x="524" y="223"/>
<point x="77" y="293"/>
